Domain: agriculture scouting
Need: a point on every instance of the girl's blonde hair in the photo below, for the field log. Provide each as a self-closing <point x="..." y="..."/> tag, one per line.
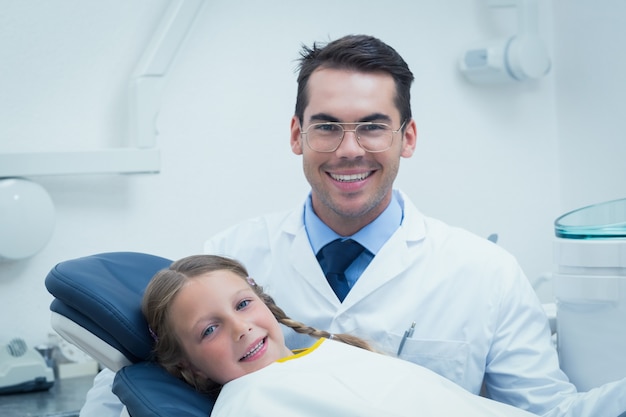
<point x="164" y="287"/>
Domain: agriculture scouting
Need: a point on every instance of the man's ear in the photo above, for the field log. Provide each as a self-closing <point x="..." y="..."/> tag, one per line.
<point x="409" y="139"/>
<point x="296" y="137"/>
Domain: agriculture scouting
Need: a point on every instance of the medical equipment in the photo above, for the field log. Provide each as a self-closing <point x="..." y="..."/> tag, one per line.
<point x="520" y="57"/>
<point x="145" y="88"/>
<point x="97" y="308"/>
<point x="23" y="369"/>
<point x="590" y="292"/>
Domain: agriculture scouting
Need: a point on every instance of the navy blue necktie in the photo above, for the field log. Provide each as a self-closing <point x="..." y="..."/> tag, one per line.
<point x="335" y="258"/>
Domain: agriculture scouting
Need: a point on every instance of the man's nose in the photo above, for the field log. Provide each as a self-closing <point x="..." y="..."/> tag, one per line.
<point x="349" y="146"/>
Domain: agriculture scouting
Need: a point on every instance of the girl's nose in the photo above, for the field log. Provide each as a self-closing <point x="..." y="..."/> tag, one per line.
<point x="240" y="329"/>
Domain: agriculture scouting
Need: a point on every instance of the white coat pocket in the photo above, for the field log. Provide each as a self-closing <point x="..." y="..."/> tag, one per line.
<point x="445" y="357"/>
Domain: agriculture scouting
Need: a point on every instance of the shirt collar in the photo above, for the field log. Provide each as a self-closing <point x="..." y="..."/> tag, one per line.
<point x="372" y="237"/>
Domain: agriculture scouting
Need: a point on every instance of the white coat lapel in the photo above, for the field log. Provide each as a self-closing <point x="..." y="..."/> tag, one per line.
<point x="303" y="260"/>
<point x="308" y="268"/>
<point x="395" y="257"/>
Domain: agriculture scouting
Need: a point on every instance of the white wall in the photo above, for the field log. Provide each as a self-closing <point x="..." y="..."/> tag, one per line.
<point x="590" y="93"/>
<point x="492" y="159"/>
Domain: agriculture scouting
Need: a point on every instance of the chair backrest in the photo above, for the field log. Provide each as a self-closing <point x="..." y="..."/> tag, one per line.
<point x="97" y="307"/>
<point x="101" y="295"/>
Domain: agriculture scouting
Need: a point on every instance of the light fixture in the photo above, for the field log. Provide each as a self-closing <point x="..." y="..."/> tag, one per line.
<point x="27" y="218"/>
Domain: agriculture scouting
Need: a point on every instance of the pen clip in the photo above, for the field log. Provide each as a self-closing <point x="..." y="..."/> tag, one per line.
<point x="408" y="333"/>
<point x="411" y="330"/>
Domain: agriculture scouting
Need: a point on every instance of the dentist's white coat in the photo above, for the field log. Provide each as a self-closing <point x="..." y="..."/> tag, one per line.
<point x="476" y="313"/>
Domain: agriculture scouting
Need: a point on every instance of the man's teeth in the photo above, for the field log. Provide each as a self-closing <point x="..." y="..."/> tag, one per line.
<point x="254" y="349"/>
<point x="352" y="177"/>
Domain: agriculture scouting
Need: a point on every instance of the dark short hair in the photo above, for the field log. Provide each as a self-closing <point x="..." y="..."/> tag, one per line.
<point x="359" y="53"/>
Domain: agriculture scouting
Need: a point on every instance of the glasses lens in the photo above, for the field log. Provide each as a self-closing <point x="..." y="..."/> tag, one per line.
<point x="374" y="137"/>
<point x="324" y="137"/>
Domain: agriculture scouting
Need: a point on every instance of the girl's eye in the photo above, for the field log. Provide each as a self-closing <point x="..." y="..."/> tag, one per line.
<point x="208" y="331"/>
<point x="243" y="304"/>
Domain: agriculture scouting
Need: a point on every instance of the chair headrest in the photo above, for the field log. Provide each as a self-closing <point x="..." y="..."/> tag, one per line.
<point x="102" y="293"/>
<point x="148" y="390"/>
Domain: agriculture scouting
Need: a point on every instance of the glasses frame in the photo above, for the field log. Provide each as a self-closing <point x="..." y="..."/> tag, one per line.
<point x="343" y="134"/>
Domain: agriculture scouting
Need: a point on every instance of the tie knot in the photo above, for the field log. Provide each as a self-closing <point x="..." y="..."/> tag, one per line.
<point x="337" y="256"/>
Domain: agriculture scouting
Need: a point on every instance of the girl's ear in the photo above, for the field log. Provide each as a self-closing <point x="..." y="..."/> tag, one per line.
<point x="187" y="369"/>
<point x="183" y="369"/>
<point x="192" y="376"/>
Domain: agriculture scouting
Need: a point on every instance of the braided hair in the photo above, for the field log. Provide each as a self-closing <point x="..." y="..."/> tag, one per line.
<point x="303" y="328"/>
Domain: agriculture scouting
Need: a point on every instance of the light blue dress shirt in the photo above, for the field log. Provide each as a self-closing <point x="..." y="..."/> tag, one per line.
<point x="372" y="237"/>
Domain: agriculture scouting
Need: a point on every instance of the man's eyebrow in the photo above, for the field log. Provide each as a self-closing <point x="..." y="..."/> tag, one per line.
<point x="376" y="117"/>
<point x="324" y="117"/>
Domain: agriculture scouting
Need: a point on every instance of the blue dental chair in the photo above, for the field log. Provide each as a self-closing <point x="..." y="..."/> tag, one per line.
<point x="97" y="307"/>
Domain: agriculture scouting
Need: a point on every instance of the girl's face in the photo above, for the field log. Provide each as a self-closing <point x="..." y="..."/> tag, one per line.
<point x="225" y="329"/>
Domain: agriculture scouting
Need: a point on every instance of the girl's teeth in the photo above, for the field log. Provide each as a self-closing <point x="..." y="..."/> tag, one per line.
<point x="254" y="350"/>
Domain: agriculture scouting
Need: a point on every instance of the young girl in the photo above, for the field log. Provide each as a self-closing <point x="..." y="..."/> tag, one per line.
<point x="217" y="330"/>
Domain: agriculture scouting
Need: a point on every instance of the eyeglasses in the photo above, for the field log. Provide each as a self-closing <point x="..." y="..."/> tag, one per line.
<point x="372" y="137"/>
